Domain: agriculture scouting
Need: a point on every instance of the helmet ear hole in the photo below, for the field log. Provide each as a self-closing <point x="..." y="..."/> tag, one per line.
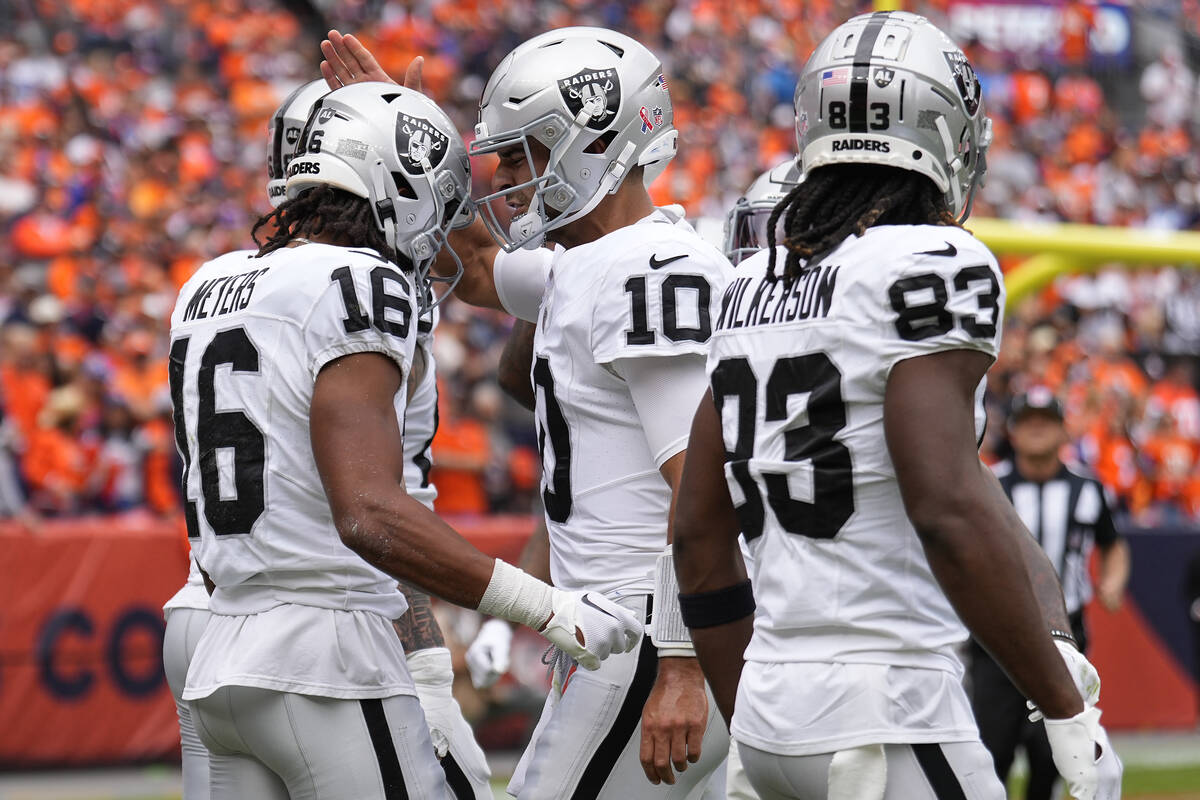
<point x="600" y="145"/>
<point x="403" y="187"/>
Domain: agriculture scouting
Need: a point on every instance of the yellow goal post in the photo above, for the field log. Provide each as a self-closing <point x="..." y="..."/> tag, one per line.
<point x="1063" y="249"/>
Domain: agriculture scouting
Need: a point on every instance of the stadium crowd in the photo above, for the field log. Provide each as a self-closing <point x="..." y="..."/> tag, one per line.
<point x="132" y="145"/>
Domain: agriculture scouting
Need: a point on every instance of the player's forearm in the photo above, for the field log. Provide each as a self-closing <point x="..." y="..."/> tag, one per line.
<point x="535" y="555"/>
<point x="477" y="251"/>
<point x="978" y="559"/>
<point x="720" y="652"/>
<point x="1047" y="589"/>
<point x="418" y="629"/>
<point x="398" y="535"/>
<point x="516" y="362"/>
<point x="1115" y="565"/>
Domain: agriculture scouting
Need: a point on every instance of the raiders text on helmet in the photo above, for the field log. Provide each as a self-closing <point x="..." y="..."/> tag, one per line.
<point x="890" y="88"/>
<point x="286" y="124"/>
<point x="746" y="222"/>
<point x="395" y="148"/>
<point x="567" y="89"/>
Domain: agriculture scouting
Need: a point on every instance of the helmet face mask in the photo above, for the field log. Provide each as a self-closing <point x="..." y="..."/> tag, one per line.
<point x="397" y="150"/>
<point x="746" y="222"/>
<point x="889" y="88"/>
<point x="284" y="133"/>
<point x="568" y="90"/>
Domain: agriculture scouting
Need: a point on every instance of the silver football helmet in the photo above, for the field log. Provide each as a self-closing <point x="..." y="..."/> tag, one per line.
<point x="395" y="148"/>
<point x="567" y="89"/>
<point x="286" y="125"/>
<point x="890" y="88"/>
<point x="746" y="222"/>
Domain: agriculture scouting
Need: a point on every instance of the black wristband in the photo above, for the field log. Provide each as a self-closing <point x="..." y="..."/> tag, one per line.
<point x="1066" y="636"/>
<point x="718" y="607"/>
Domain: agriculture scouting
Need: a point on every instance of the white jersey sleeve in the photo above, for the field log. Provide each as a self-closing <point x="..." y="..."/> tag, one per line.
<point x="520" y="279"/>
<point x="941" y="293"/>
<point x="659" y="297"/>
<point x="339" y="325"/>
<point x="663" y="389"/>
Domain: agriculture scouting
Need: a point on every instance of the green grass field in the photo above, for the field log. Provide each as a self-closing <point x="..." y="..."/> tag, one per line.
<point x="1145" y="783"/>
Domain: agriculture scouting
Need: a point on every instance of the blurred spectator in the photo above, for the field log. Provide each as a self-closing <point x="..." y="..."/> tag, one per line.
<point x="1166" y="86"/>
<point x="461" y="455"/>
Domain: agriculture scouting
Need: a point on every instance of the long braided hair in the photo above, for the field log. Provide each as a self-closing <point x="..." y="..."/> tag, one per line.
<point x="322" y="210"/>
<point x="842" y="199"/>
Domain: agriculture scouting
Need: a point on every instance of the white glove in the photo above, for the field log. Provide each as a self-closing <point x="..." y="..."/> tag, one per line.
<point x="433" y="675"/>
<point x="1074" y="744"/>
<point x="488" y="655"/>
<point x="607" y="628"/>
<point x="604" y="626"/>
<point x="1087" y="680"/>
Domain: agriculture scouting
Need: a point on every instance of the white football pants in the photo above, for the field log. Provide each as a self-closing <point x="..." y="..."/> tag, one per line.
<point x="587" y="742"/>
<point x="184" y="627"/>
<point x="280" y="746"/>
<point x="946" y="771"/>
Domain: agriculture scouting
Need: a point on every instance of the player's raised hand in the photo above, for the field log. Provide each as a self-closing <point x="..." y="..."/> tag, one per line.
<point x="589" y="627"/>
<point x="347" y="61"/>
<point x="674" y="720"/>
<point x="1084" y="756"/>
<point x="488" y="655"/>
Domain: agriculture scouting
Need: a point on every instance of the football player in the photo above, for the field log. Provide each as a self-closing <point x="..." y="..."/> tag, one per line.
<point x="839" y="438"/>
<point x="288" y="372"/>
<point x="581" y="121"/>
<point x="746" y="222"/>
<point x="745" y="235"/>
<point x="464" y="763"/>
<point x="187" y="611"/>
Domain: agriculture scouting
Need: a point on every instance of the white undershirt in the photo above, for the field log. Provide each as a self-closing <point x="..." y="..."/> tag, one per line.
<point x="665" y="391"/>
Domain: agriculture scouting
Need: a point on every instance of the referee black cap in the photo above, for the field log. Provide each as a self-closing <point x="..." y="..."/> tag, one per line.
<point x="1038" y="400"/>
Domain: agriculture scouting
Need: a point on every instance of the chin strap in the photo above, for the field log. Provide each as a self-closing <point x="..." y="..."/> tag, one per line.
<point x="954" y="166"/>
<point x="531" y="223"/>
<point x="383" y="203"/>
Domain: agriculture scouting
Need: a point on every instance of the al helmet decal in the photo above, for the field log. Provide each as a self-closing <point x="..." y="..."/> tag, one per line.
<point x="596" y="90"/>
<point x="417" y="140"/>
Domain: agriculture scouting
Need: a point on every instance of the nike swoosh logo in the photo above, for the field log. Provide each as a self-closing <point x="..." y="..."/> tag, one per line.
<point x="588" y="602"/>
<point x="655" y="263"/>
<point x="950" y="252"/>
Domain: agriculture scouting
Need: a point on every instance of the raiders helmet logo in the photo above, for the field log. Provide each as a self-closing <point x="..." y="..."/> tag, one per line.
<point x="416" y="141"/>
<point x="964" y="78"/>
<point x="598" y="91"/>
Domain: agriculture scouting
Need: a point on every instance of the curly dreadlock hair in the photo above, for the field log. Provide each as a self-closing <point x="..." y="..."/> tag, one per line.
<point x="842" y="199"/>
<point x="322" y="210"/>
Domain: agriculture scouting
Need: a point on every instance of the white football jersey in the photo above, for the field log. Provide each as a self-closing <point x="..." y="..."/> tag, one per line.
<point x="651" y="289"/>
<point x="421" y="418"/>
<point x="798" y="374"/>
<point x="248" y="338"/>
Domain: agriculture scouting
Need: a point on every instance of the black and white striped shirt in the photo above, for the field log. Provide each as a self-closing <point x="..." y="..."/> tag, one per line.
<point x="1067" y="514"/>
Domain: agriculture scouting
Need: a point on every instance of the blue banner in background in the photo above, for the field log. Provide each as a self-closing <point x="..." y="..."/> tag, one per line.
<point x="1055" y="34"/>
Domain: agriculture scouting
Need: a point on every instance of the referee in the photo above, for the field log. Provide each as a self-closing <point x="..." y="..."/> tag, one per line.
<point x="1067" y="512"/>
